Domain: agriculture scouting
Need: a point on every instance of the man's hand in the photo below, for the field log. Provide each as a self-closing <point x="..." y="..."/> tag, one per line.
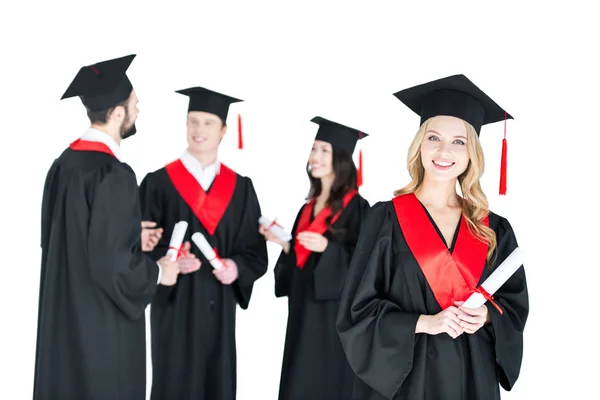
<point x="170" y="270"/>
<point x="188" y="262"/>
<point x="228" y="274"/>
<point x="150" y="235"/>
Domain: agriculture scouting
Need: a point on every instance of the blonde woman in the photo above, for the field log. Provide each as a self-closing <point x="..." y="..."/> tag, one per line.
<point x="419" y="256"/>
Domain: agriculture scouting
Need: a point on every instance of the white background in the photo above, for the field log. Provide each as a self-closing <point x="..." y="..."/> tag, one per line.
<point x="341" y="61"/>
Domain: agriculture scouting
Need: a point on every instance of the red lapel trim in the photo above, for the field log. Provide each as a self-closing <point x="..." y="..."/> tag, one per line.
<point x="452" y="277"/>
<point x="318" y="225"/>
<point x="208" y="208"/>
<point x="88" y="145"/>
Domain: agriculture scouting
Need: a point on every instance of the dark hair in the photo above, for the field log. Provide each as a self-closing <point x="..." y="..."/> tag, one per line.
<point x="223" y="122"/>
<point x="101" y="117"/>
<point x="345" y="181"/>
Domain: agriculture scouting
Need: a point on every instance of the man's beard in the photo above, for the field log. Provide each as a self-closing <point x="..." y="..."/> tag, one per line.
<point x="128" y="132"/>
<point x="125" y="130"/>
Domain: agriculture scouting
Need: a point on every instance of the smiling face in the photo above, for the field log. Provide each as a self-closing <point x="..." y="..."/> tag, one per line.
<point x="444" y="150"/>
<point x="204" y="132"/>
<point x="321" y="159"/>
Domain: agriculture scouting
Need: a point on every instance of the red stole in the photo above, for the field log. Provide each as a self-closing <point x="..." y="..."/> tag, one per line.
<point x="88" y="145"/>
<point x="208" y="207"/>
<point x="452" y="277"/>
<point x="318" y="225"/>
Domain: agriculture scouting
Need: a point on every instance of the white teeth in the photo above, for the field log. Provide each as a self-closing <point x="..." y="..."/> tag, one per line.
<point x="442" y="164"/>
<point x="199" y="139"/>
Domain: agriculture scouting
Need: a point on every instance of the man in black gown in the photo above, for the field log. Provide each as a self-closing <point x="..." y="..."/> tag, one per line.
<point x="193" y="322"/>
<point x="95" y="279"/>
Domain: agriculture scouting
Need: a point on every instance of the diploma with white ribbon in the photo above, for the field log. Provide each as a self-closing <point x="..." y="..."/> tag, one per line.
<point x="495" y="281"/>
<point x="210" y="254"/>
<point x="274" y="227"/>
<point x="176" y="240"/>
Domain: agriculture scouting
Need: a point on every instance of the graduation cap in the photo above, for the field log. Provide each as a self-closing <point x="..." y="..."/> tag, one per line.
<point x="102" y="85"/>
<point x="458" y="97"/>
<point x="341" y="137"/>
<point x="202" y="99"/>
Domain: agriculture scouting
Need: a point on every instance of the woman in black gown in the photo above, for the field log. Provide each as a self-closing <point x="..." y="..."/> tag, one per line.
<point x="313" y="265"/>
<point x="421" y="255"/>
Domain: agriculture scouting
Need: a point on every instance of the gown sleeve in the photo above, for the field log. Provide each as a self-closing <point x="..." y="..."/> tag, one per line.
<point x="513" y="299"/>
<point x="117" y="263"/>
<point x="48" y="200"/>
<point x="151" y="204"/>
<point x="377" y="335"/>
<point x="285" y="263"/>
<point x="330" y="271"/>
<point x="250" y="248"/>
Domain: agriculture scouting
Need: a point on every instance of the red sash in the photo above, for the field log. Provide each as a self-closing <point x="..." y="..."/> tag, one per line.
<point x="208" y="207"/>
<point x="88" y="145"/>
<point x="319" y="225"/>
<point x="452" y="277"/>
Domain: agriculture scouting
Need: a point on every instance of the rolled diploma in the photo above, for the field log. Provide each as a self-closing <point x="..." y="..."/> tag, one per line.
<point x="280" y="233"/>
<point x="207" y="250"/>
<point x="500" y="275"/>
<point x="176" y="239"/>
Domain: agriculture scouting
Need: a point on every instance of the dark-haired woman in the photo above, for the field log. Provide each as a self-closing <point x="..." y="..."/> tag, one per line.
<point x="313" y="265"/>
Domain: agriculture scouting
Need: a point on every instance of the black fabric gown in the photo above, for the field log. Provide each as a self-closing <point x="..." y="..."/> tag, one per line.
<point x="95" y="282"/>
<point x="314" y="365"/>
<point x="384" y="295"/>
<point x="193" y="323"/>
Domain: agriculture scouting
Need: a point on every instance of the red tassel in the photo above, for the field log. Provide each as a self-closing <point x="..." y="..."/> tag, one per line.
<point x="503" y="162"/>
<point x="503" y="169"/>
<point x="240" y="141"/>
<point x="359" y="177"/>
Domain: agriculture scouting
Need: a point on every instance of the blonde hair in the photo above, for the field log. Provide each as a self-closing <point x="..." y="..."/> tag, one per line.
<point x="475" y="205"/>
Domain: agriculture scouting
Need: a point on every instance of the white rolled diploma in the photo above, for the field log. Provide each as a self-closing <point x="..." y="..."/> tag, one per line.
<point x="176" y="239"/>
<point x="280" y="233"/>
<point x="207" y="250"/>
<point x="495" y="281"/>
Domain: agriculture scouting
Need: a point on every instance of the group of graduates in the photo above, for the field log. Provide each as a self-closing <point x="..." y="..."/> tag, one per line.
<point x="375" y="293"/>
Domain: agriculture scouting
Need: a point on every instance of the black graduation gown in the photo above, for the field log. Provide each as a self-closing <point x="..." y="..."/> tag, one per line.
<point x="314" y="364"/>
<point x="95" y="282"/>
<point x="384" y="294"/>
<point x="193" y="322"/>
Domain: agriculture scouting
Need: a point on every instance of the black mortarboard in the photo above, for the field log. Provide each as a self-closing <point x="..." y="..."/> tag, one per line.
<point x="454" y="96"/>
<point x="340" y="136"/>
<point x="457" y="96"/>
<point x="206" y="100"/>
<point x="102" y="85"/>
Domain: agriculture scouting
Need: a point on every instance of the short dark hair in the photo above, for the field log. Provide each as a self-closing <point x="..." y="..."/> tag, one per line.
<point x="223" y="122"/>
<point x="101" y="117"/>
